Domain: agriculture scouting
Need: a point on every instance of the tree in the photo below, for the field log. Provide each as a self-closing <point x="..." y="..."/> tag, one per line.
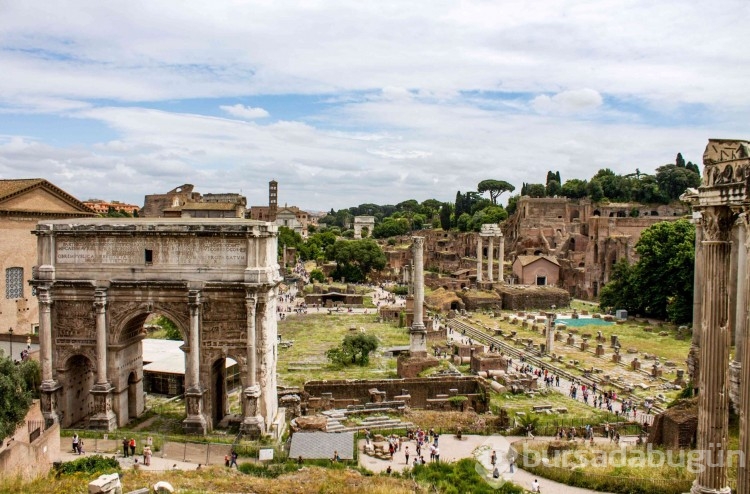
<point x="355" y="259"/>
<point x="458" y="208"/>
<point x="495" y="188"/>
<point x="171" y="330"/>
<point x="594" y="190"/>
<point x="512" y="204"/>
<point x="15" y="395"/>
<point x="317" y="275"/>
<point x="391" y="227"/>
<point x="674" y="180"/>
<point x="464" y="222"/>
<point x="574" y="188"/>
<point x="445" y="216"/>
<point x="660" y="284"/>
<point x="536" y="190"/>
<point x="553" y="188"/>
<point x="355" y="349"/>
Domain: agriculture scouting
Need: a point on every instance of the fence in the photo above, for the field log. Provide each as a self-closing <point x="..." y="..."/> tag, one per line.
<point x="209" y="451"/>
<point x="35" y="428"/>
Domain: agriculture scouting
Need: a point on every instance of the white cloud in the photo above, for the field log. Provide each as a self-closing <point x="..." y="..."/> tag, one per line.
<point x="571" y="101"/>
<point x="246" y="112"/>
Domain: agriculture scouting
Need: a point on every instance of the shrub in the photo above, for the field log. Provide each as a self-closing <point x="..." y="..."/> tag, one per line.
<point x="89" y="464"/>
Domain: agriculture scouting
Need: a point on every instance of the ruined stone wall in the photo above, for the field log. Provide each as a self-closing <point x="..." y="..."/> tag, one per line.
<point x="420" y="389"/>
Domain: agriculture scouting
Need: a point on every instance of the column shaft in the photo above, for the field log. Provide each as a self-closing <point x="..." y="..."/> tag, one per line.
<point x="252" y="346"/>
<point x="713" y="399"/>
<point x="501" y="260"/>
<point x="45" y="333"/>
<point x="490" y="248"/>
<point x="192" y="379"/>
<point x="694" y="357"/>
<point x="100" y="304"/>
<point x="743" y="472"/>
<point x="417" y="334"/>
<point x="479" y="258"/>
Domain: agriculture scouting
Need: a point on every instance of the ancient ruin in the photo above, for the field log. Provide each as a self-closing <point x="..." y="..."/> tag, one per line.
<point x="98" y="280"/>
<point x="363" y="222"/>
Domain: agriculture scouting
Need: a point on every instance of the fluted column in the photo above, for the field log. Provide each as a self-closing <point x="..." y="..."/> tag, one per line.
<point x="45" y="333"/>
<point x="738" y="307"/>
<point x="713" y="398"/>
<point x="479" y="258"/>
<point x="694" y="357"/>
<point x="100" y="305"/>
<point x="192" y="379"/>
<point x="490" y="248"/>
<point x="196" y="422"/>
<point x="48" y="398"/>
<point x="743" y="471"/>
<point x="252" y="423"/>
<point x="501" y="260"/>
<point x="418" y="334"/>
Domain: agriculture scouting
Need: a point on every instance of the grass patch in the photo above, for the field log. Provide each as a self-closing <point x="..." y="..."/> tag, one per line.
<point x="458" y="478"/>
<point x="314" y="334"/>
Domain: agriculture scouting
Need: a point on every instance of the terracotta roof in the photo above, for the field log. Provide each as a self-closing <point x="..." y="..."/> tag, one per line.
<point x="526" y="260"/>
<point x="13" y="187"/>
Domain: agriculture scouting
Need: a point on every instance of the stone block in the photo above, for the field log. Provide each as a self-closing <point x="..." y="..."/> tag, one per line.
<point x="616" y="358"/>
<point x="106" y="484"/>
<point x="599" y="350"/>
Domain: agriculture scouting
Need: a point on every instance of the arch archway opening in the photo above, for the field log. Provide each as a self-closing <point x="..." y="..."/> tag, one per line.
<point x="79" y="379"/>
<point x="226" y="393"/>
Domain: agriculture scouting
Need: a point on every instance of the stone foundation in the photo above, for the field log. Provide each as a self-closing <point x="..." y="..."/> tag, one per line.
<point x="411" y="367"/>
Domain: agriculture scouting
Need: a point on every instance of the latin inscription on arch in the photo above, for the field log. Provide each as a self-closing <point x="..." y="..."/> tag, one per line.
<point x="216" y="252"/>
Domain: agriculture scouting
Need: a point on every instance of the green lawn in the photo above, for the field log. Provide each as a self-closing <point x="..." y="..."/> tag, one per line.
<point x="313" y="334"/>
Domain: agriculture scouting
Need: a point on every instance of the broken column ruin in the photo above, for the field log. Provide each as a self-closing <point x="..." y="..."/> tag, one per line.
<point x="550" y="331"/>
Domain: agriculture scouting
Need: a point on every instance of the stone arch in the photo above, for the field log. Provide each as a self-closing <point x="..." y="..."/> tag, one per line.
<point x="127" y="317"/>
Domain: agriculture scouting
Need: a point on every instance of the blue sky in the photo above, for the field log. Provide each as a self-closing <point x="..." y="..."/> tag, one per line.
<point x="346" y="103"/>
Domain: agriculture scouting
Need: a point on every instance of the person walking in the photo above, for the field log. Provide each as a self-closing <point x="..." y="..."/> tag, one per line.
<point x="493" y="458"/>
<point x="234" y="460"/>
<point x="132" y="446"/>
<point x="75" y="443"/>
<point x="406" y="454"/>
<point x="125" y="445"/>
<point x="535" y="487"/>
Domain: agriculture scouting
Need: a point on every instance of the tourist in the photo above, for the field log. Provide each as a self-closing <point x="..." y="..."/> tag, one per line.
<point x="234" y="460"/>
<point x="406" y="454"/>
<point x="125" y="445"/>
<point x="299" y="460"/>
<point x="437" y="454"/>
<point x="493" y="458"/>
<point x="496" y="473"/>
<point x="389" y="470"/>
<point x="337" y="458"/>
<point x="535" y="486"/>
<point x="147" y="456"/>
<point x="132" y="446"/>
<point x="226" y="461"/>
<point x="75" y="443"/>
<point x="80" y="447"/>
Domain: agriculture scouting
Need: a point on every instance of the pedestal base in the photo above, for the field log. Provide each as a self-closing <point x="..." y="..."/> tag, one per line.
<point x="104" y="418"/>
<point x="696" y="489"/>
<point x="253" y="427"/>
<point x="49" y="403"/>
<point x="412" y="365"/>
<point x="196" y="422"/>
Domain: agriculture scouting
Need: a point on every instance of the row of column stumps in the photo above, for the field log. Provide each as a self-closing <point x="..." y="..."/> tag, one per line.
<point x="490" y="231"/>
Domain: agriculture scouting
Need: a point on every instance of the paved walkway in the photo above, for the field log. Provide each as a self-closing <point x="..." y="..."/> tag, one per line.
<point x="479" y="447"/>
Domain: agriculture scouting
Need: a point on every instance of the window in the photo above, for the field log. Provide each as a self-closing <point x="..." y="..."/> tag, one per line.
<point x="14" y="283"/>
<point x="149" y="256"/>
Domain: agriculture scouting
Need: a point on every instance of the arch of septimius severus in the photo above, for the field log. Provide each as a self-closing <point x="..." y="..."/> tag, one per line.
<point x="98" y="280"/>
<point x="722" y="213"/>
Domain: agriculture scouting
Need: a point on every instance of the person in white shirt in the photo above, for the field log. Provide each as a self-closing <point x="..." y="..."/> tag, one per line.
<point x="535" y="486"/>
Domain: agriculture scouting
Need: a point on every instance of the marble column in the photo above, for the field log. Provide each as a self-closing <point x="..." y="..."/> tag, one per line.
<point x="479" y="258"/>
<point x="100" y="305"/>
<point x="50" y="387"/>
<point x="501" y="259"/>
<point x="196" y="422"/>
<point x="738" y="303"/>
<point x="713" y="398"/>
<point x="252" y="423"/>
<point x="104" y="418"/>
<point x="418" y="333"/>
<point x="693" y="361"/>
<point x="490" y="248"/>
<point x="743" y="471"/>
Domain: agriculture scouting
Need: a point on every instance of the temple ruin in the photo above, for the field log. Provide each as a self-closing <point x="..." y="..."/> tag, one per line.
<point x="97" y="281"/>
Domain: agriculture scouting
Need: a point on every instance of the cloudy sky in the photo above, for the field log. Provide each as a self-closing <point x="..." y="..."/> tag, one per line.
<point x="351" y="102"/>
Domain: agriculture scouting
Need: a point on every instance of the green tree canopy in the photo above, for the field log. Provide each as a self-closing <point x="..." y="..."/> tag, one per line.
<point x="355" y="349"/>
<point x="495" y="188"/>
<point x="16" y="391"/>
<point x="356" y="259"/>
<point x="660" y="284"/>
